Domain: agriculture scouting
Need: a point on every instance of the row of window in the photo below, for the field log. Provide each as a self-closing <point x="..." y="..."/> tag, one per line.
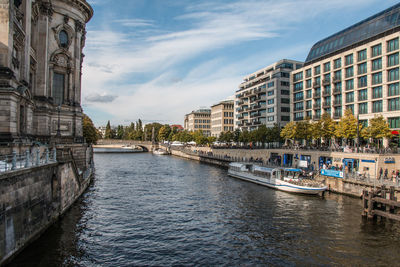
<point x="376" y="50"/>
<point x="201" y="126"/>
<point x="376" y="78"/>
<point x="201" y="121"/>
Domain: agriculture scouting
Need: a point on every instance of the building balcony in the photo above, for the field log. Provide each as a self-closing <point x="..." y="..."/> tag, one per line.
<point x="337" y="79"/>
<point x="316" y="95"/>
<point x="326" y="93"/>
<point x="326" y="82"/>
<point x="299" y="119"/>
<point x="337" y="91"/>
<point x="256" y="122"/>
<point x="349" y="101"/>
<point x="317" y="106"/>
<point x="298" y="99"/>
<point x="299" y="109"/>
<point x="337" y="103"/>
<point x="254" y="115"/>
<point x="326" y="105"/>
<point x="316" y="85"/>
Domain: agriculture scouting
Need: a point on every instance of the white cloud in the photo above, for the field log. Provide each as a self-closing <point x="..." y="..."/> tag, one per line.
<point x="112" y="57"/>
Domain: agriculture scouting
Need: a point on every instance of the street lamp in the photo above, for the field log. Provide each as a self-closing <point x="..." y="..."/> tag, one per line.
<point x="58" y="122"/>
<point x="358" y="133"/>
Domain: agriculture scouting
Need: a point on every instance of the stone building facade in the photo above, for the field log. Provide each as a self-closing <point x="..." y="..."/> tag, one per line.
<point x="263" y="98"/>
<point x="41" y="43"/>
<point x="357" y="69"/>
<point x="198" y="120"/>
<point x="222" y="117"/>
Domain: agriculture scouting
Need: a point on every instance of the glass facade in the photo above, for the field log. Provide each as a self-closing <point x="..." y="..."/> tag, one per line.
<point x="393" y="74"/>
<point x="377" y="106"/>
<point x="377" y="78"/>
<point x="394" y="104"/>
<point x="393" y="60"/>
<point x="374" y="25"/>
<point x="327" y="66"/>
<point x="363" y="108"/>
<point x="393" y="45"/>
<point x="362" y="95"/>
<point x="394" y="122"/>
<point x="349" y="72"/>
<point x="362" y="55"/>
<point x="349" y="59"/>
<point x="377" y="92"/>
<point x="362" y="68"/>
<point x="350" y="84"/>
<point x="393" y="89"/>
<point x="377" y="64"/>
<point x="377" y="50"/>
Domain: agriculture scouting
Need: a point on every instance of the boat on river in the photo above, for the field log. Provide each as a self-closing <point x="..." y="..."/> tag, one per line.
<point x="284" y="179"/>
<point x="160" y="151"/>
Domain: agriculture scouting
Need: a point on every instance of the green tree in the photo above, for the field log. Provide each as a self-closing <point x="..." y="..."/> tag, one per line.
<point x="244" y="136"/>
<point x="328" y="127"/>
<point x="211" y="139"/>
<point x="236" y="135"/>
<point x="90" y="132"/>
<point x="378" y="128"/>
<point x="289" y="131"/>
<point x="120" y="132"/>
<point x="109" y="132"/>
<point x="273" y="134"/>
<point x="164" y="132"/>
<point x="303" y="130"/>
<point x="347" y="126"/>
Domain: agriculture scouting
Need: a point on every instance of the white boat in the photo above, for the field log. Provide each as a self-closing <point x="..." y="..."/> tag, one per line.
<point x="284" y="179"/>
<point x="160" y="151"/>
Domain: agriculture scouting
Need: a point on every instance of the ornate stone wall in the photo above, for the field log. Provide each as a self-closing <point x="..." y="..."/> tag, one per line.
<point x="41" y="44"/>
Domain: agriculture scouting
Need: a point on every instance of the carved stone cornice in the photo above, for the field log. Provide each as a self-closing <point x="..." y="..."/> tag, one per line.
<point x="79" y="26"/>
<point x="83" y="6"/>
<point x="46" y="8"/>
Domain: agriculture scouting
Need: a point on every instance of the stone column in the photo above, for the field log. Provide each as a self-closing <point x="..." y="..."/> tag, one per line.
<point x="42" y="73"/>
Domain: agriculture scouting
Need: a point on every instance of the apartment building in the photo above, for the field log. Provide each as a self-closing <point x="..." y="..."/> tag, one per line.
<point x="199" y="120"/>
<point x="264" y="96"/>
<point x="222" y="117"/>
<point x="356" y="68"/>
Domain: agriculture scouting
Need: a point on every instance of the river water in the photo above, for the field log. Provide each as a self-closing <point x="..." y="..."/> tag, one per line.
<point x="144" y="209"/>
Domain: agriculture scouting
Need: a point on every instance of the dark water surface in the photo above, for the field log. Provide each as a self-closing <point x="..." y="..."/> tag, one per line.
<point x="161" y="210"/>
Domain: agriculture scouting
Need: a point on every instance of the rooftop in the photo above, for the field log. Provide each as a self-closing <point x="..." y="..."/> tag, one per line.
<point x="381" y="22"/>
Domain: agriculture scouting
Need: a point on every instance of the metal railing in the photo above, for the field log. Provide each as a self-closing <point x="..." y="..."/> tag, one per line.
<point x="27" y="160"/>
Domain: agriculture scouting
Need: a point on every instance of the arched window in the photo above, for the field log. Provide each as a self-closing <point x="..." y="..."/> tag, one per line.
<point x="63" y="37"/>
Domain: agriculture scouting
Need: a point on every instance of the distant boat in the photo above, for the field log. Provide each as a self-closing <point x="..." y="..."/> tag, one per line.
<point x="160" y="151"/>
<point x="284" y="179"/>
<point x="123" y="149"/>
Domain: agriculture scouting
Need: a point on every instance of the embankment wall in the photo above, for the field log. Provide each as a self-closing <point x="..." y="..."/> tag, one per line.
<point x="32" y="199"/>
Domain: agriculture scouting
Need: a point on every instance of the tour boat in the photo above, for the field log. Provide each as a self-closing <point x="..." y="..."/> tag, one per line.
<point x="284" y="179"/>
<point x="160" y="151"/>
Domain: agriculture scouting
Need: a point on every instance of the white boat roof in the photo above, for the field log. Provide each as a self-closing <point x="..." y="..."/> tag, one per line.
<point x="263" y="169"/>
<point x="236" y="164"/>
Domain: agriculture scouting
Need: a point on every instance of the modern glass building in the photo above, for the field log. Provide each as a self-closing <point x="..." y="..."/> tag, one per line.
<point x="356" y="68"/>
<point x="263" y="98"/>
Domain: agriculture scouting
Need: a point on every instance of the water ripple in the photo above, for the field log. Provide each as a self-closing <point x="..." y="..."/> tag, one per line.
<point x="156" y="211"/>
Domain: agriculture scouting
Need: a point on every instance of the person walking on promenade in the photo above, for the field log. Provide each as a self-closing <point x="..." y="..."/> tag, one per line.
<point x="386" y="174"/>
<point x="380" y="173"/>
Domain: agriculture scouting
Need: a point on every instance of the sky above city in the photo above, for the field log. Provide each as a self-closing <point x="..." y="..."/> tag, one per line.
<point x="159" y="60"/>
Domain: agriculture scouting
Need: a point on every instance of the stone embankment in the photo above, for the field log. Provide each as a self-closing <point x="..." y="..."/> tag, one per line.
<point x="33" y="198"/>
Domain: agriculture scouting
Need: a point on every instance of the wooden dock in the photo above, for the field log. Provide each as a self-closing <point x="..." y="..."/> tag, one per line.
<point x="381" y="202"/>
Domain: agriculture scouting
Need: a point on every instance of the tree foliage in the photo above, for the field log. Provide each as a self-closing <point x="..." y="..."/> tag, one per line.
<point x="378" y="128"/>
<point x="347" y="126"/>
<point x="90" y="132"/>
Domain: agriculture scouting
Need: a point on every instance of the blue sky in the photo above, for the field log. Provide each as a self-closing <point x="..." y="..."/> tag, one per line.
<point x="158" y="60"/>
